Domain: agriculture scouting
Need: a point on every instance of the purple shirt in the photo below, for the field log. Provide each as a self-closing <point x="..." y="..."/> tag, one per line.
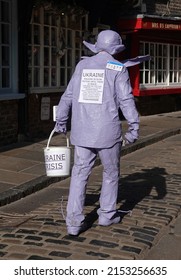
<point x="98" y="125"/>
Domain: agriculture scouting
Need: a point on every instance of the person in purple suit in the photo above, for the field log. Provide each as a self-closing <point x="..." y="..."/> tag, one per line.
<point x="99" y="86"/>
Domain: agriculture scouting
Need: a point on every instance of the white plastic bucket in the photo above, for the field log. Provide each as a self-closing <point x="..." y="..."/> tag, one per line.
<point x="57" y="159"/>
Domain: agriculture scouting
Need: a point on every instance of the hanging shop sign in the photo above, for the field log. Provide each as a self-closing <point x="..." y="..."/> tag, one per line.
<point x="161" y="25"/>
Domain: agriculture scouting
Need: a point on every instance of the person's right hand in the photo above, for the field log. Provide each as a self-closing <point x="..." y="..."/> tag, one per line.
<point x="60" y="128"/>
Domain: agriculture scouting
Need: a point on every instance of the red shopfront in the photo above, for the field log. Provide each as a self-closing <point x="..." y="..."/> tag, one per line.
<point x="161" y="39"/>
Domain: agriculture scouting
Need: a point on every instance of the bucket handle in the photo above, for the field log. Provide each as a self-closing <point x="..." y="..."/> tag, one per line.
<point x="50" y="137"/>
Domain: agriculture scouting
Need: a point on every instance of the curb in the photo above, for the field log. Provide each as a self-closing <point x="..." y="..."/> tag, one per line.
<point x="42" y="182"/>
<point x="149" y="140"/>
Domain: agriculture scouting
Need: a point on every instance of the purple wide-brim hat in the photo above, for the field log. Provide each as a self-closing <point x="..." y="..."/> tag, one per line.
<point x="108" y="41"/>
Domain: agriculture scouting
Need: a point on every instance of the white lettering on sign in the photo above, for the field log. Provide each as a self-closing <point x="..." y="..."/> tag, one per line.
<point x="91" y="88"/>
<point x="169" y="26"/>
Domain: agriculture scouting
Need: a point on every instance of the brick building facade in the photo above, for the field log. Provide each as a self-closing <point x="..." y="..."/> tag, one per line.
<point x="41" y="44"/>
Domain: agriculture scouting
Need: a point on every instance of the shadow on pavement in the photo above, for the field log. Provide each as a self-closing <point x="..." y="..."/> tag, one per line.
<point x="132" y="190"/>
<point x="137" y="186"/>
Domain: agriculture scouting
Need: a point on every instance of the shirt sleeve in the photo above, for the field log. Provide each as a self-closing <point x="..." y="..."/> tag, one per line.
<point x="127" y="105"/>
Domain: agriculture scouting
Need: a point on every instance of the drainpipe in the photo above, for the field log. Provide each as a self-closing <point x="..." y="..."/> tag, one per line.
<point x="24" y="17"/>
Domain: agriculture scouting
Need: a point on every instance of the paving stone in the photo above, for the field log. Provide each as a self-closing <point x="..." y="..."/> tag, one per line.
<point x="143" y="236"/>
<point x="74" y="238"/>
<point x="58" y="242"/>
<point x="168" y="217"/>
<point x="152" y="229"/>
<point x="33" y="244"/>
<point x="2" y="254"/>
<point x="131" y="249"/>
<point x="27" y="231"/>
<point x="50" y="234"/>
<point x="12" y="241"/>
<point x="36" y="238"/>
<point x="149" y="244"/>
<point x="36" y="257"/>
<point x="60" y="254"/>
<point x="143" y="230"/>
<point x="2" y="246"/>
<point x="103" y="243"/>
<point x="41" y="251"/>
<point x="16" y="256"/>
<point x="12" y="235"/>
<point x="122" y="231"/>
<point x="96" y="254"/>
<point x="118" y="253"/>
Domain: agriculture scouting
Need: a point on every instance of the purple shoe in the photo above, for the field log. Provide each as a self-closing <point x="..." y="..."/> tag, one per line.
<point x="107" y="222"/>
<point x="76" y="230"/>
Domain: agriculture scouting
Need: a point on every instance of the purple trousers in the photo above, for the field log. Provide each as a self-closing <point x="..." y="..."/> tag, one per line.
<point x="84" y="159"/>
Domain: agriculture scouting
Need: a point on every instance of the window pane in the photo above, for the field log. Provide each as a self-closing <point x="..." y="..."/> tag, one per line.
<point x="83" y="23"/>
<point x="54" y="57"/>
<point x="46" y="36"/>
<point x="164" y="50"/>
<point x="152" y="50"/>
<point x="160" y="53"/>
<point x="4" y="8"/>
<point x="54" y="20"/>
<point x="5" y="45"/>
<point x="179" y="55"/>
<point x="69" y="58"/>
<point x="78" y="40"/>
<point x="5" y="56"/>
<point x="5" y="78"/>
<point x="53" y="36"/>
<point x="29" y="77"/>
<point x="53" y="77"/>
<point x="36" y="34"/>
<point x="69" y="38"/>
<point x="165" y="63"/>
<point x="5" y="32"/>
<point x="36" y="52"/>
<point x="146" y="48"/>
<point x="46" y="77"/>
<point x="52" y="45"/>
<point x="171" y="51"/>
<point x="159" y="76"/>
<point x="63" y="20"/>
<point x="62" y="60"/>
<point x="152" y="77"/>
<point x="36" y="17"/>
<point x="171" y="64"/>
<point x="46" y="18"/>
<point x="36" y="77"/>
<point x="62" y="77"/>
<point x="69" y="74"/>
<point x="77" y="56"/>
<point x="164" y="76"/>
<point x="46" y="57"/>
<point x="146" y="77"/>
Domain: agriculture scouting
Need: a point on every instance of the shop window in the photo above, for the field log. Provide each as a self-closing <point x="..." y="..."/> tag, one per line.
<point x="55" y="46"/>
<point x="164" y="68"/>
<point x="8" y="54"/>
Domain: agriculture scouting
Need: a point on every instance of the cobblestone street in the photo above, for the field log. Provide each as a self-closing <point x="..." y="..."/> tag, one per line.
<point x="150" y="186"/>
